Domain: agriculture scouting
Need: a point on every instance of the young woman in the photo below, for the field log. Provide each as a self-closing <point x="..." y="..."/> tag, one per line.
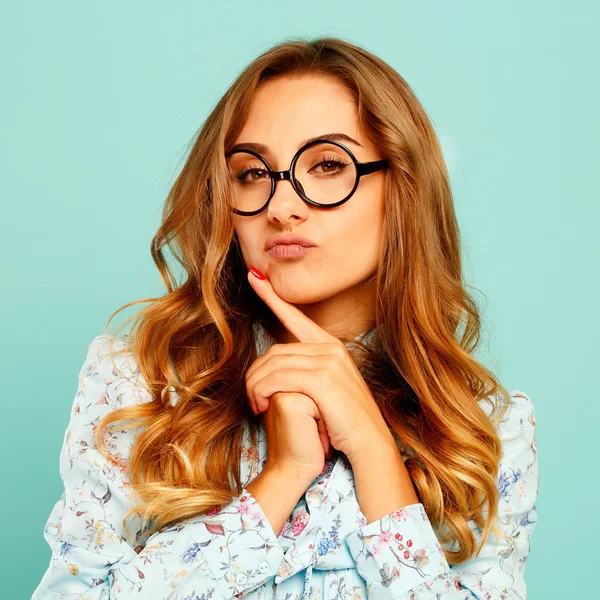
<point x="302" y="415"/>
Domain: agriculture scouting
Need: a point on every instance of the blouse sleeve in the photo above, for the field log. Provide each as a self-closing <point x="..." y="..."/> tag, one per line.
<point x="221" y="554"/>
<point x="399" y="556"/>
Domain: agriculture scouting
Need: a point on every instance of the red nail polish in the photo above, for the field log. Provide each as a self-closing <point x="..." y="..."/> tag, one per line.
<point x="257" y="273"/>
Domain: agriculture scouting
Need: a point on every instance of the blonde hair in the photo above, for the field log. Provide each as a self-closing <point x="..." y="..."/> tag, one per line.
<point x="198" y="339"/>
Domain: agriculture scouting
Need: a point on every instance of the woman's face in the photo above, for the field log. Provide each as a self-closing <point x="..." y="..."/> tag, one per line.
<point x="327" y="282"/>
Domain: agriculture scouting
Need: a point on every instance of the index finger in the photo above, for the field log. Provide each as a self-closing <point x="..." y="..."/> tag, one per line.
<point x="292" y="318"/>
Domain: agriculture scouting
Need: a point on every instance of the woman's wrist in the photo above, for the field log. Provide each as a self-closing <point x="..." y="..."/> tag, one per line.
<point x="277" y="491"/>
<point x="382" y="483"/>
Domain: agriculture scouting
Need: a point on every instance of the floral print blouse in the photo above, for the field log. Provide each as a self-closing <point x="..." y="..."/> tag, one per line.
<point x="326" y="549"/>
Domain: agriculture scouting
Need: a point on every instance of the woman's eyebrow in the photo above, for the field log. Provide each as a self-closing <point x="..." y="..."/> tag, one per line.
<point x="264" y="149"/>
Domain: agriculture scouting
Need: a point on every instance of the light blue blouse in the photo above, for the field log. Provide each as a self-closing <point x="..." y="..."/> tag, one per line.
<point x="234" y="552"/>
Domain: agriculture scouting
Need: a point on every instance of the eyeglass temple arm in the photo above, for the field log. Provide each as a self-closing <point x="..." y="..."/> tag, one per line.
<point x="371" y="167"/>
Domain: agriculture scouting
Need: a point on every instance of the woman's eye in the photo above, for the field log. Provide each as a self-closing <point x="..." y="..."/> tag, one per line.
<point x="330" y="166"/>
<point x="255" y="174"/>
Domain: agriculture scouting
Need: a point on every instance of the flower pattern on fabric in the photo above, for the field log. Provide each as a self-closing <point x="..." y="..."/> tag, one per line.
<point x="326" y="549"/>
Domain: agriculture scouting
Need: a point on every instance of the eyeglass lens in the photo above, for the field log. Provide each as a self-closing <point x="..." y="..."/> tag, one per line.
<point x="324" y="172"/>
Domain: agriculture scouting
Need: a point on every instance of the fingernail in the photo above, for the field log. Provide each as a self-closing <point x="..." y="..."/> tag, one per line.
<point x="257" y="273"/>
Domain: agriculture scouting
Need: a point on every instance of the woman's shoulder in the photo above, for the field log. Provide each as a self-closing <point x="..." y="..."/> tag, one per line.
<point x="111" y="371"/>
<point x="108" y="379"/>
<point x="509" y="411"/>
<point x="515" y="423"/>
<point x="520" y="411"/>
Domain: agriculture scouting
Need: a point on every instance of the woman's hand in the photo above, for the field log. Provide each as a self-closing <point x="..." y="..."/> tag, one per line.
<point x="295" y="442"/>
<point x="321" y="368"/>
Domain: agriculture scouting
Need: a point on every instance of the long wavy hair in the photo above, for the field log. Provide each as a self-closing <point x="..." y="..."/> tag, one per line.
<point x="198" y="339"/>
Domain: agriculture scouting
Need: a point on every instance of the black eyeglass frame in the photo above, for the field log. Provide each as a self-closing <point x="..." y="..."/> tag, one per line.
<point x="362" y="168"/>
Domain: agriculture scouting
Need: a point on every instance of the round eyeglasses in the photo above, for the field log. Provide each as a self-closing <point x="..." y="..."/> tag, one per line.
<point x="324" y="173"/>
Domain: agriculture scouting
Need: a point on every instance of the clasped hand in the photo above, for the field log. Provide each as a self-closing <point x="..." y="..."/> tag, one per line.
<point x="320" y="367"/>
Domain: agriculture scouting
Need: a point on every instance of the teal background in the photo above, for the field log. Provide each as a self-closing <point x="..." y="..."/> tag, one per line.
<point x="99" y="101"/>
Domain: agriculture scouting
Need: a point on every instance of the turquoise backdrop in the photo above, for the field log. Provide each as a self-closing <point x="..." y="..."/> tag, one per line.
<point x="99" y="102"/>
